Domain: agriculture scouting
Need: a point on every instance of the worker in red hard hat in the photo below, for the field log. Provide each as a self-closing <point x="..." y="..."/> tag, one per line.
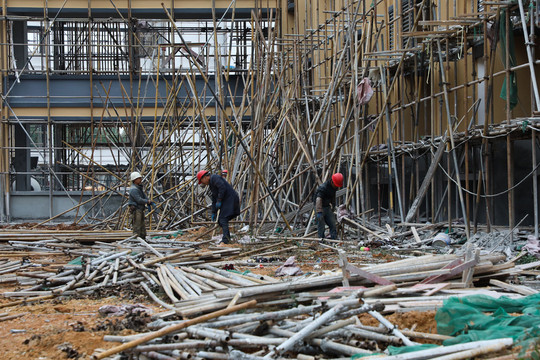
<point x="224" y="199"/>
<point x="325" y="198"/>
<point x="224" y="173"/>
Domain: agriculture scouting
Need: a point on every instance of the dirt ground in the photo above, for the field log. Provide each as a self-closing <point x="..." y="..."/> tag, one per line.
<point x="412" y="320"/>
<point x="73" y="329"/>
<point x="69" y="329"/>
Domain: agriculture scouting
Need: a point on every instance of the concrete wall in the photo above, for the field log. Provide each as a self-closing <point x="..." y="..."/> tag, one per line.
<point x="32" y="206"/>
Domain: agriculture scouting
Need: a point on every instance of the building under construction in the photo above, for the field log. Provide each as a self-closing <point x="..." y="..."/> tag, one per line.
<point x="429" y="108"/>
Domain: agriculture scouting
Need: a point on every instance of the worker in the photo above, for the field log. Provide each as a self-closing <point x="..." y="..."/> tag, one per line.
<point x="224" y="173"/>
<point x="137" y="203"/>
<point x="325" y="198"/>
<point x="225" y="201"/>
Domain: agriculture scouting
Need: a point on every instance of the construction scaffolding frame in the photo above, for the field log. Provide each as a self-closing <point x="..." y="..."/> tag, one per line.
<point x="281" y="98"/>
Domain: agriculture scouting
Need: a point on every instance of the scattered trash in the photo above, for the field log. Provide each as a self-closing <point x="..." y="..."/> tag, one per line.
<point x="364" y="91"/>
<point x="260" y="259"/>
<point x="342" y="212"/>
<point x="121" y="310"/>
<point x="289" y="268"/>
<point x="246" y="239"/>
<point x="532" y="246"/>
<point x="441" y="239"/>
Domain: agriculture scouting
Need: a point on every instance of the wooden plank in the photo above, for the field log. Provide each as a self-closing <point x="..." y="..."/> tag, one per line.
<point x="369" y="276"/>
<point x="446" y="22"/>
<point x="466" y="277"/>
<point x="454" y="271"/>
<point x="409" y="304"/>
<point x="520" y="289"/>
<point x="343" y="263"/>
<point x="454" y="263"/>
<point x="427" y="180"/>
<point x="415" y="234"/>
<point x="432" y="288"/>
<point x="438" y="288"/>
<point x="468" y="274"/>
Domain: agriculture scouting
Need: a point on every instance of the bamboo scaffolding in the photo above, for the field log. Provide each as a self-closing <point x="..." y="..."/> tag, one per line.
<point x="285" y="118"/>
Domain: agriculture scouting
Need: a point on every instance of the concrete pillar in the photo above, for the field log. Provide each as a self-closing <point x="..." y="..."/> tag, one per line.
<point x="21" y="162"/>
<point x="20" y="35"/>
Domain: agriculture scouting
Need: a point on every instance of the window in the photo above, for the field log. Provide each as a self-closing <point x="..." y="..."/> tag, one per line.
<point x="391" y="27"/>
<point x="111" y="47"/>
<point x="409" y="9"/>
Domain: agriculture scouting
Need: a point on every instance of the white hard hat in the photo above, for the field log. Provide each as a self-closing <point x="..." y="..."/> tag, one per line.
<point x="135" y="175"/>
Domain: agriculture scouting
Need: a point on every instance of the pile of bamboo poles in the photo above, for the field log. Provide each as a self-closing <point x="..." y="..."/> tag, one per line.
<point x="322" y="323"/>
<point x="186" y="274"/>
<point x="295" y="317"/>
<point x="190" y="281"/>
<point x="106" y="265"/>
<point x="328" y="329"/>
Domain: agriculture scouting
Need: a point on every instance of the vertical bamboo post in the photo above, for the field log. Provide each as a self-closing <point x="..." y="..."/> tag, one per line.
<point x="50" y="129"/>
<point x="466" y="147"/>
<point x="450" y="130"/>
<point x="535" y="181"/>
<point x="4" y="124"/>
<point x="509" y="162"/>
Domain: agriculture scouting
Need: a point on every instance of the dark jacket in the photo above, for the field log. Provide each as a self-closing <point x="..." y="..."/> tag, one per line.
<point x="137" y="197"/>
<point x="327" y="193"/>
<point x="223" y="192"/>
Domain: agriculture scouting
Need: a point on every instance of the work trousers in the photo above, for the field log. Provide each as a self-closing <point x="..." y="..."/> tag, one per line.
<point x="223" y="221"/>
<point x="329" y="219"/>
<point x="138" y="224"/>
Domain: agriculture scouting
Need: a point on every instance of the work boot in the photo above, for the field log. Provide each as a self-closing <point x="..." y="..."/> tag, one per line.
<point x="224" y="241"/>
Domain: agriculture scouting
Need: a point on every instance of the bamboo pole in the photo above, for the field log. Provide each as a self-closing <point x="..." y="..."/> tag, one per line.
<point x="174" y="328"/>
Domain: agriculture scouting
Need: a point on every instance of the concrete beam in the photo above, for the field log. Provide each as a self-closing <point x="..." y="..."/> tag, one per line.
<point x="143" y="9"/>
<point x="29" y="205"/>
<point x="74" y="91"/>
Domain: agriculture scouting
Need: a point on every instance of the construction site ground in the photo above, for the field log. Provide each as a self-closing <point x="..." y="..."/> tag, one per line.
<point x="71" y="327"/>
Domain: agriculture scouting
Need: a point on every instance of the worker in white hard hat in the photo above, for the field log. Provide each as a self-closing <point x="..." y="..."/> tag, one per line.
<point x="137" y="203"/>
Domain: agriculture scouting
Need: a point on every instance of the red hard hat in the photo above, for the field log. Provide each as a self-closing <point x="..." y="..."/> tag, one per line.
<point x="224" y="171"/>
<point x="337" y="179"/>
<point x="200" y="175"/>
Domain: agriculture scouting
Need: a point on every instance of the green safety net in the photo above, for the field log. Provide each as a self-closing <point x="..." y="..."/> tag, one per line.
<point x="171" y="235"/>
<point x="508" y="37"/>
<point x="76" y="261"/>
<point x="396" y="350"/>
<point x="482" y="317"/>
